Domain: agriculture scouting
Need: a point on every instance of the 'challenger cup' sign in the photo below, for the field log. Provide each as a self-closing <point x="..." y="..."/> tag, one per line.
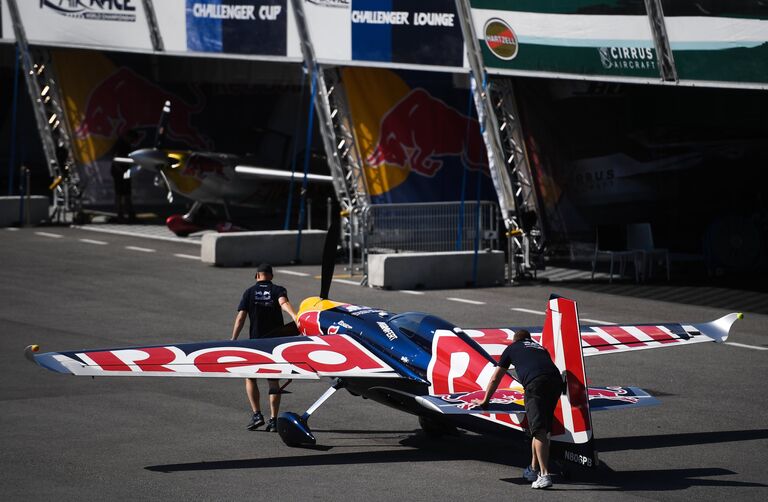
<point x="255" y="27"/>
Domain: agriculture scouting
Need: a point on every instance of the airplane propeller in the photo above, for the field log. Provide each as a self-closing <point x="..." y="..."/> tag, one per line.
<point x="329" y="258"/>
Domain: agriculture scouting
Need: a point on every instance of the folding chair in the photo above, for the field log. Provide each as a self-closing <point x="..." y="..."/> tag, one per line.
<point x="640" y="238"/>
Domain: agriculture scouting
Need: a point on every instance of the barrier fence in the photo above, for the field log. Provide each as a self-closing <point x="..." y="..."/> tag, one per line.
<point x="434" y="226"/>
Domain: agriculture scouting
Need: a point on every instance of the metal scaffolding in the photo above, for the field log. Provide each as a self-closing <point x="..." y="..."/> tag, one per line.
<point x="337" y="131"/>
<point x="507" y="158"/>
<point x="51" y="121"/>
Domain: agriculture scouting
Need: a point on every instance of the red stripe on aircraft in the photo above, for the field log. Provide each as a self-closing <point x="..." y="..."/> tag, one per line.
<point x="621" y="334"/>
<point x="658" y="334"/>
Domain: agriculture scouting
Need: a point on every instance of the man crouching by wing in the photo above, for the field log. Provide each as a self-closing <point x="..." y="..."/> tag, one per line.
<point x="542" y="384"/>
<point x="263" y="303"/>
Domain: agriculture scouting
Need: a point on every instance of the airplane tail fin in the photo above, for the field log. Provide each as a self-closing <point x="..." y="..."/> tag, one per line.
<point x="572" y="438"/>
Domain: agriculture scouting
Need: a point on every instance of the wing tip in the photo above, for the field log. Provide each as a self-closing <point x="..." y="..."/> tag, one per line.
<point x="719" y="329"/>
<point x="29" y="351"/>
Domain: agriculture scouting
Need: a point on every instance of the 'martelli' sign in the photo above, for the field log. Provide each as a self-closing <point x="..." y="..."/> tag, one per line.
<point x="578" y="37"/>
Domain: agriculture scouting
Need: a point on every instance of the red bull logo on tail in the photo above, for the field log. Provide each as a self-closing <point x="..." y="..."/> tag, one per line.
<point x="126" y="101"/>
<point x="420" y="129"/>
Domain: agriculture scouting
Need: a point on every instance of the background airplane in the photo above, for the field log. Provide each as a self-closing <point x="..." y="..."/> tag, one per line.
<point x="212" y="178"/>
<point x="414" y="362"/>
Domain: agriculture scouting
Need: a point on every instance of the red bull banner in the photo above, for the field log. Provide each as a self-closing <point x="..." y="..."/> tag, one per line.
<point x="113" y="105"/>
<point x="117" y="24"/>
<point x="416" y="136"/>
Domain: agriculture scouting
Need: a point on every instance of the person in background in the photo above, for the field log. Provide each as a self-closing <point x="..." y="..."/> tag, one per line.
<point x="121" y="176"/>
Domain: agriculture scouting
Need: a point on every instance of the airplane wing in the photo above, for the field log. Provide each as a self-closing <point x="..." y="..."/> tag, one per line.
<point x="611" y="339"/>
<point x="295" y="357"/>
<point x="278" y="174"/>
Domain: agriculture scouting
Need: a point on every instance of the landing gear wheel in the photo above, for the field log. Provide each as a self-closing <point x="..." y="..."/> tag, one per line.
<point x="435" y="428"/>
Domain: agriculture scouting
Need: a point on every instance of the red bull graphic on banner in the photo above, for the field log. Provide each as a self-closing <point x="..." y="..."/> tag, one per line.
<point x="126" y="101"/>
<point x="416" y="139"/>
<point x="104" y="102"/>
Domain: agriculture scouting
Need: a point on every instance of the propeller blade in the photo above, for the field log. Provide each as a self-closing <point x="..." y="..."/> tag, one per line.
<point x="165" y="115"/>
<point x="329" y="256"/>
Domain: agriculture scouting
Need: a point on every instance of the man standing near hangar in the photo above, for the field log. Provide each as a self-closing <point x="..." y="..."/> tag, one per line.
<point x="263" y="303"/>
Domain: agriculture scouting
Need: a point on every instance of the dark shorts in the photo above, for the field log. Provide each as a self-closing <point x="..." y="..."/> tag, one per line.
<point x="541" y="396"/>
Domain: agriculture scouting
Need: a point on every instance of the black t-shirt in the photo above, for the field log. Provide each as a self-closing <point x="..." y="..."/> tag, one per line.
<point x="262" y="303"/>
<point x="530" y="360"/>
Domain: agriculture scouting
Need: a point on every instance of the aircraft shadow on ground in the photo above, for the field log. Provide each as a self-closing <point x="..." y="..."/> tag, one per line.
<point x="682" y="439"/>
<point x="606" y="479"/>
<point x="415" y="448"/>
<point x="419" y="448"/>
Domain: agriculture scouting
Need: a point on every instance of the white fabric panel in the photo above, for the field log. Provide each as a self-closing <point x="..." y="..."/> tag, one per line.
<point x="121" y="25"/>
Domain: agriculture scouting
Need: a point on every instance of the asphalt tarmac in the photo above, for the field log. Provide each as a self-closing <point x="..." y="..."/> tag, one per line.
<point x="76" y="438"/>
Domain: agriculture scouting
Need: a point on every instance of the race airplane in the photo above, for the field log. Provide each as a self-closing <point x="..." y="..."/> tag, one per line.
<point x="210" y="178"/>
<point x="414" y="362"/>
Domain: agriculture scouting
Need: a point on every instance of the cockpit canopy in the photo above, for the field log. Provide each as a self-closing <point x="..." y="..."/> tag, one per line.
<point x="419" y="327"/>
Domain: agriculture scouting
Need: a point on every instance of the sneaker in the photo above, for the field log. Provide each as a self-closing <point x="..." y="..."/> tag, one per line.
<point x="257" y="420"/>
<point x="271" y="425"/>
<point x="530" y="475"/>
<point x="542" y="482"/>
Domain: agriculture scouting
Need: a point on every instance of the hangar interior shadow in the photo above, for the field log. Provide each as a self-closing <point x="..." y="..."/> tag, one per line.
<point x="465" y="446"/>
<point x="736" y="300"/>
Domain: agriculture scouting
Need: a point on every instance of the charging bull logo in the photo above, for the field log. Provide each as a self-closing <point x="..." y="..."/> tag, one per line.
<point x="612" y="393"/>
<point x="420" y="129"/>
<point x="125" y="101"/>
<point x="469" y="400"/>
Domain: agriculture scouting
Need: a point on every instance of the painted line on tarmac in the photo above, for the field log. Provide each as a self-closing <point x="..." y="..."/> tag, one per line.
<point x="12" y="229"/>
<point x="143" y="250"/>
<point x="91" y="241"/>
<point x="411" y="292"/>
<point x="529" y="311"/>
<point x="47" y="234"/>
<point x="745" y="346"/>
<point x="293" y="272"/>
<point x="464" y="300"/>
<point x="344" y="281"/>
<point x="90" y="228"/>
<point x="187" y="256"/>
<point x="596" y="321"/>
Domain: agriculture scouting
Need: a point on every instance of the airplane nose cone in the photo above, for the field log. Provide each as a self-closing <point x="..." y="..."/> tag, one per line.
<point x="150" y="158"/>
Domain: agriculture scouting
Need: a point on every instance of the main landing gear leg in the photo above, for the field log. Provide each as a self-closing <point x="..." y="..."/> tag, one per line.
<point x="293" y="429"/>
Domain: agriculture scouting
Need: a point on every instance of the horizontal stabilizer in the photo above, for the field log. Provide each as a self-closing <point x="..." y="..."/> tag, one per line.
<point x="613" y="398"/>
<point x="504" y="401"/>
<point x="617" y="338"/>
